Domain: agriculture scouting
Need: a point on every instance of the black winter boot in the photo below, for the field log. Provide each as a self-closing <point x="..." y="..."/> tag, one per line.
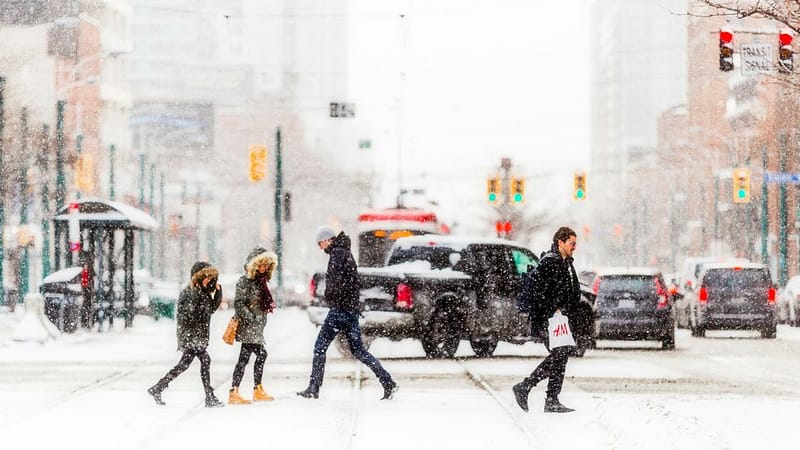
<point x="521" y="391"/>
<point x="155" y="391"/>
<point x="552" y="405"/>
<point x="309" y="393"/>
<point x="212" y="401"/>
<point x="389" y="390"/>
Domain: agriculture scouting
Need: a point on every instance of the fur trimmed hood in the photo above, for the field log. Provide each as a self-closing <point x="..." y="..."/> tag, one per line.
<point x="207" y="272"/>
<point x="258" y="256"/>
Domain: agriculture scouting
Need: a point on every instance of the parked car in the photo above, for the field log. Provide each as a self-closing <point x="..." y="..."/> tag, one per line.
<point x="789" y="302"/>
<point x="633" y="304"/>
<point x="692" y="266"/>
<point x="734" y="296"/>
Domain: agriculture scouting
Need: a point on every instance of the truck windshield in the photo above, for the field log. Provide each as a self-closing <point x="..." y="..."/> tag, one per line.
<point x="438" y="257"/>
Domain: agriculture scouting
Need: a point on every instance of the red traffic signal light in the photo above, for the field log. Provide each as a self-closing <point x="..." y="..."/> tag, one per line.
<point x="785" y="52"/>
<point x="725" y="49"/>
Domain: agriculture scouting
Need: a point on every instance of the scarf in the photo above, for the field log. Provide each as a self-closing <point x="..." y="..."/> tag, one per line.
<point x="266" y="302"/>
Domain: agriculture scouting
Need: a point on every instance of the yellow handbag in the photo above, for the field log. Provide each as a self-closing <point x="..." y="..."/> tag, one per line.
<point x="230" y="332"/>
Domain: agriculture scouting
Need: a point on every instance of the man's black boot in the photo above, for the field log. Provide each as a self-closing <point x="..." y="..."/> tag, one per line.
<point x="309" y="393"/>
<point x="521" y="391"/>
<point x="389" y="390"/>
<point x="155" y="391"/>
<point x="552" y="405"/>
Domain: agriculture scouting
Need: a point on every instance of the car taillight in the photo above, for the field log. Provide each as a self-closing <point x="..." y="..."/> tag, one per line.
<point x="404" y="298"/>
<point x="771" y="295"/>
<point x="662" y="295"/>
<point x="596" y="285"/>
<point x="703" y="297"/>
<point x="312" y="287"/>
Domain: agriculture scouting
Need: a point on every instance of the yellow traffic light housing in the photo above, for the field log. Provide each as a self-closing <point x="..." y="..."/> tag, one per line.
<point x="493" y="190"/>
<point x="579" y="186"/>
<point x="741" y="185"/>
<point x="84" y="173"/>
<point x="258" y="162"/>
<point x="517" y="192"/>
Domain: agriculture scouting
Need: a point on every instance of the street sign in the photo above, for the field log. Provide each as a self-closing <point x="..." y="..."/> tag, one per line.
<point x="782" y="177"/>
<point x="365" y="143"/>
<point x="757" y="58"/>
<point x="342" y="109"/>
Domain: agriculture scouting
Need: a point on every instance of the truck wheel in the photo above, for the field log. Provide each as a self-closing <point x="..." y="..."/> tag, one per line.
<point x="344" y="348"/>
<point x="769" y="331"/>
<point x="442" y="339"/>
<point x="484" y="347"/>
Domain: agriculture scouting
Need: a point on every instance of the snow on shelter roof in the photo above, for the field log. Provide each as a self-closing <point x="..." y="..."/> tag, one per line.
<point x="118" y="215"/>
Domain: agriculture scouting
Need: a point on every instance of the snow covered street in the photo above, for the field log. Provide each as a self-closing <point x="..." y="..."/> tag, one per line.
<point x="730" y="390"/>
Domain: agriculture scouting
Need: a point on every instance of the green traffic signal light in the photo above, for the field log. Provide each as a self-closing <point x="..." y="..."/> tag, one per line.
<point x="517" y="197"/>
<point x="579" y="194"/>
<point x="741" y="193"/>
<point x="492" y="197"/>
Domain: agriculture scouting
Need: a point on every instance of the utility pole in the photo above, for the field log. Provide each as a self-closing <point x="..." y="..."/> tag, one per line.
<point x="111" y="194"/>
<point x="141" y="206"/>
<point x="764" y="210"/>
<point x="44" y="161"/>
<point x="783" y="216"/>
<point x="24" y="262"/>
<point x="78" y="149"/>
<point x="162" y="229"/>
<point x="152" y="252"/>
<point x="278" y="209"/>
<point x="2" y="191"/>
<point x="61" y="182"/>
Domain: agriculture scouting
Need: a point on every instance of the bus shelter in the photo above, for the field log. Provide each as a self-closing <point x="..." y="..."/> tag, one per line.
<point x="106" y="233"/>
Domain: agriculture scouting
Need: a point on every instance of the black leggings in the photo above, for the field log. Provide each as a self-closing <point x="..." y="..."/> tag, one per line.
<point x="244" y="358"/>
<point x="183" y="364"/>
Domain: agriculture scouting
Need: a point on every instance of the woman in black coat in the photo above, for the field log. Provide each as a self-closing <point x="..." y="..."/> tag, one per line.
<point x="196" y="303"/>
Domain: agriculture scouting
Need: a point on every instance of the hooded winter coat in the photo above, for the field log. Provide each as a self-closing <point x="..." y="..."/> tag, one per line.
<point x="341" y="279"/>
<point x="252" y="318"/>
<point x="552" y="285"/>
<point x="194" y="309"/>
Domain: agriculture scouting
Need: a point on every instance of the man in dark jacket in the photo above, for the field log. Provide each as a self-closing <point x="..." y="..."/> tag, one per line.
<point x="342" y="295"/>
<point x="551" y="286"/>
<point x="196" y="303"/>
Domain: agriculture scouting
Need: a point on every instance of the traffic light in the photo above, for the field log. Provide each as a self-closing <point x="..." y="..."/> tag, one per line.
<point x="493" y="190"/>
<point x="258" y="162"/>
<point x="785" y="52"/>
<point x="517" y="192"/>
<point x="725" y="49"/>
<point x="741" y="185"/>
<point x="579" y="183"/>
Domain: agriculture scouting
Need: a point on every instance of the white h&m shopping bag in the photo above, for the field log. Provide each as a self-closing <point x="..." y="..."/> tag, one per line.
<point x="558" y="331"/>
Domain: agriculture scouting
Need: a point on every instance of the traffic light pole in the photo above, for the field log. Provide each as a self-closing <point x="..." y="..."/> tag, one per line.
<point x="24" y="263"/>
<point x="278" y="209"/>
<point x="764" y="210"/>
<point x="783" y="216"/>
<point x="44" y="170"/>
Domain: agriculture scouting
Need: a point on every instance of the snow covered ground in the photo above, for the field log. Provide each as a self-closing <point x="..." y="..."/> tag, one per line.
<point x="732" y="390"/>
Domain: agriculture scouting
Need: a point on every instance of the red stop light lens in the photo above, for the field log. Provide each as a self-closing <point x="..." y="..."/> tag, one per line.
<point x="785" y="39"/>
<point x="725" y="36"/>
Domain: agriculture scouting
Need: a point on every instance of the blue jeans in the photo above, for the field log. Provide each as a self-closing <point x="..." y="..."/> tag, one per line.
<point x="343" y="322"/>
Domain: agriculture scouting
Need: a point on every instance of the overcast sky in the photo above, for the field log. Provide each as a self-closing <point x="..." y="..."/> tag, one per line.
<point x="483" y="80"/>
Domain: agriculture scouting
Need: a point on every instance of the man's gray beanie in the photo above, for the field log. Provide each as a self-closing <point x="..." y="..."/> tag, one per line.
<point x="324" y="233"/>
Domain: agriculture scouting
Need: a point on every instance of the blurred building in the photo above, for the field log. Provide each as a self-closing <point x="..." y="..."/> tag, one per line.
<point x="638" y="64"/>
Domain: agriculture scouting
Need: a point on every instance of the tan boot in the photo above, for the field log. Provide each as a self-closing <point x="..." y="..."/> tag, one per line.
<point x="235" y="399"/>
<point x="260" y="396"/>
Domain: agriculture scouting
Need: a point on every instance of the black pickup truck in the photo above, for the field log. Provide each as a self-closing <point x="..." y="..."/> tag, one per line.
<point x="442" y="289"/>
